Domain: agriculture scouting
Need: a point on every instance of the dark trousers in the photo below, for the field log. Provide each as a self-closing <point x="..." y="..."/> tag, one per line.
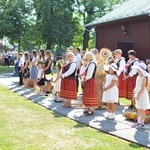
<point x="20" y="76"/>
<point x="6" y="62"/>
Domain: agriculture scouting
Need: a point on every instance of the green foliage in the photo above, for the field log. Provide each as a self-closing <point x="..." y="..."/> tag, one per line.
<point x="90" y="9"/>
<point x="56" y="22"/>
<point x="13" y="22"/>
<point x="50" y="24"/>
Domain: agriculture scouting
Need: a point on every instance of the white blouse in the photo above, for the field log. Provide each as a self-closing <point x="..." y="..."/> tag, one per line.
<point x="70" y="70"/>
<point x="90" y="70"/>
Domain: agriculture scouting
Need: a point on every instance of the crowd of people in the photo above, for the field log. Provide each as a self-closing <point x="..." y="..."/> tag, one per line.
<point x="7" y="58"/>
<point x="123" y="80"/>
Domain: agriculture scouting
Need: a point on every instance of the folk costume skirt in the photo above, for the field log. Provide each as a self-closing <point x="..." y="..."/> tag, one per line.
<point x="90" y="95"/>
<point x="68" y="88"/>
<point x="122" y="86"/>
<point x="130" y="85"/>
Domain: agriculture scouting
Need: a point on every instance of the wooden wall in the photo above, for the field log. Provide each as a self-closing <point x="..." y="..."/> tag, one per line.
<point x="138" y="34"/>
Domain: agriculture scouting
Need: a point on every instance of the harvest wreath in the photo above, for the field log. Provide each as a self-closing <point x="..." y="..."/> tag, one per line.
<point x="133" y="116"/>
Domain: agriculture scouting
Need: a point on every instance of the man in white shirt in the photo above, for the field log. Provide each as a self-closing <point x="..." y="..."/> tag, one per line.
<point x="6" y="58"/>
<point x="20" y="65"/>
<point x="78" y="63"/>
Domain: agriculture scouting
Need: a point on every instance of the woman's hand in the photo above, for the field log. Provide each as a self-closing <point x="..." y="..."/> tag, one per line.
<point x="104" y="89"/>
<point x="84" y="80"/>
<point x="83" y="83"/>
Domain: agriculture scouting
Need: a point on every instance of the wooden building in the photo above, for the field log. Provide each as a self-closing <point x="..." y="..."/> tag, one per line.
<point x="127" y="27"/>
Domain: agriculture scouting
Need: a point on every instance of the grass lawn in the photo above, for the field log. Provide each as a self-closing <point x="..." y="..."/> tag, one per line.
<point x="27" y="126"/>
<point x="125" y="101"/>
<point x="4" y="69"/>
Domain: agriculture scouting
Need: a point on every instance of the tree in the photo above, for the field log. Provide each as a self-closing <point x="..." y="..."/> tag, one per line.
<point x="14" y="19"/>
<point x="90" y="10"/>
<point x="56" y="22"/>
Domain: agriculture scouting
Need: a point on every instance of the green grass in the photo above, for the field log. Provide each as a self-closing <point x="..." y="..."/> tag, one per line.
<point x="27" y="126"/>
<point x="6" y="69"/>
<point x="125" y="101"/>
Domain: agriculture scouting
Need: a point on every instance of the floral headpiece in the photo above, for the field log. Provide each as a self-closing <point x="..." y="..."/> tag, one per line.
<point x="60" y="63"/>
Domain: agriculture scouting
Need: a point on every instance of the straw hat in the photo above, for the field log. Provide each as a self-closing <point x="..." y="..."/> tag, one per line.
<point x="114" y="67"/>
<point x="142" y="67"/>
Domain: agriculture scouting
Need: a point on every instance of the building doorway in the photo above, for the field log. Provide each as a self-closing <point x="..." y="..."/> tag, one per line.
<point x="125" y="47"/>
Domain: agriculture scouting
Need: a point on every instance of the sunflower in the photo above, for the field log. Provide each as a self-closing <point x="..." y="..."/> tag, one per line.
<point x="105" y="53"/>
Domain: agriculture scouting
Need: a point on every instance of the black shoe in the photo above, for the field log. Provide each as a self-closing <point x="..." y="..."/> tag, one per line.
<point x="58" y="101"/>
<point x="131" y="106"/>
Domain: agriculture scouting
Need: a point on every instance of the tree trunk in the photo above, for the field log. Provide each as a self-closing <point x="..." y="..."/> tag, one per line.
<point x="59" y="48"/>
<point x="19" y="44"/>
<point x="48" y="45"/>
<point x="85" y="39"/>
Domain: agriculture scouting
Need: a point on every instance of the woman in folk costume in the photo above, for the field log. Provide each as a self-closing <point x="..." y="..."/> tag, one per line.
<point x="90" y="96"/>
<point x="120" y="62"/>
<point x="131" y="74"/>
<point x="68" y="89"/>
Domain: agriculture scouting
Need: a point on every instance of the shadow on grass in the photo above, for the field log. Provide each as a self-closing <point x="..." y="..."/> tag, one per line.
<point x="79" y="125"/>
<point x="56" y="115"/>
<point x="134" y="146"/>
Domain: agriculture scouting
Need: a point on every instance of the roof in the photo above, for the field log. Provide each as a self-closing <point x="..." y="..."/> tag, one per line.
<point x="129" y="9"/>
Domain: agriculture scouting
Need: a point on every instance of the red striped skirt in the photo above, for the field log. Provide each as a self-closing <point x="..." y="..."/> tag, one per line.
<point x="130" y="85"/>
<point x="68" y="89"/>
<point x="90" y="96"/>
<point x="122" y="86"/>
